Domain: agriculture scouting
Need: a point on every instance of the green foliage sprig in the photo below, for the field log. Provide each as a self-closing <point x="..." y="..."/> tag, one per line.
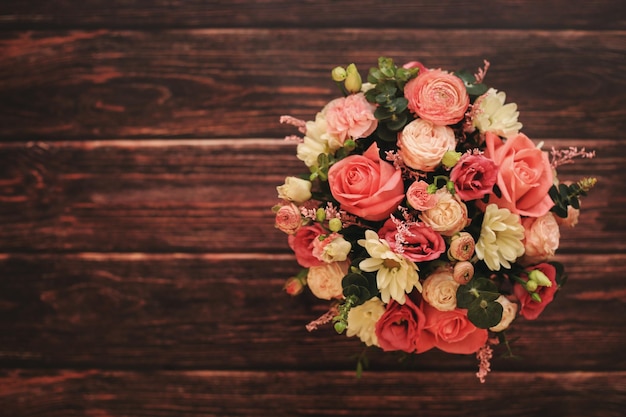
<point x="568" y="195"/>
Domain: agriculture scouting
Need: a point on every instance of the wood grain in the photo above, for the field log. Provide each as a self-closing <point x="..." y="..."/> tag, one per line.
<point x="69" y="393"/>
<point x="501" y="14"/>
<point x="211" y="196"/>
<point x="235" y="83"/>
<point x="177" y="311"/>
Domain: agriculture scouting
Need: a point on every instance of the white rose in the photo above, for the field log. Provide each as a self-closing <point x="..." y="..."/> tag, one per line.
<point x="449" y="216"/>
<point x="325" y="280"/>
<point x="439" y="290"/>
<point x="509" y="311"/>
<point x="295" y="189"/>
<point x="423" y="144"/>
<point x="362" y="320"/>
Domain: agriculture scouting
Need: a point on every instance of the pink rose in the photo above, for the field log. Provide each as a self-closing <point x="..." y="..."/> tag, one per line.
<point x="541" y="238"/>
<point x="474" y="176"/>
<point x="438" y="97"/>
<point x="324" y="281"/>
<point x="419" y="242"/>
<point x="302" y="244"/>
<point x="288" y="219"/>
<point x="419" y="198"/>
<point x="449" y="216"/>
<point x="422" y="144"/>
<point x="366" y="186"/>
<point x="350" y="117"/>
<point x="530" y="308"/>
<point x="451" y="331"/>
<point x="525" y="175"/>
<point x="400" y="327"/>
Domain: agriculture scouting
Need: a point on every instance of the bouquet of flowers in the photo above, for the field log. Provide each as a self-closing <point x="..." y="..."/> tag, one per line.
<point x="425" y="218"/>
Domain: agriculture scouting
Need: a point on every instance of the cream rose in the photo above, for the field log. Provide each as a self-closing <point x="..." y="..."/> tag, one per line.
<point x="541" y="238"/>
<point x="362" y="320"/>
<point x="325" y="280"/>
<point x="439" y="290"/>
<point x="422" y="144"/>
<point x="295" y="189"/>
<point x="509" y="311"/>
<point x="449" y="216"/>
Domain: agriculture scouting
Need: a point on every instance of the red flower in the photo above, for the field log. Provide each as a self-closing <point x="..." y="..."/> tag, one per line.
<point x="531" y="309"/>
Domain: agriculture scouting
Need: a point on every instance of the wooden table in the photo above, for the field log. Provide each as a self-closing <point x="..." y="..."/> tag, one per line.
<point x="140" y="270"/>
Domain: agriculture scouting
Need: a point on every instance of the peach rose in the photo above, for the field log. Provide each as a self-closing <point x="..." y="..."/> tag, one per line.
<point x="288" y="219"/>
<point x="422" y="144"/>
<point x="524" y="176"/>
<point x="531" y="309"/>
<point x="350" y="117"/>
<point x="302" y="244"/>
<point x="451" y="331"/>
<point x="449" y="216"/>
<point x="400" y="327"/>
<point x="419" y="198"/>
<point x="439" y="290"/>
<point x="437" y="96"/>
<point x="325" y="280"/>
<point x="366" y="186"/>
<point x="541" y="238"/>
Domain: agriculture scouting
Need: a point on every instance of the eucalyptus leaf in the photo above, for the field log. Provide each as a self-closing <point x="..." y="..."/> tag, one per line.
<point x="484" y="314"/>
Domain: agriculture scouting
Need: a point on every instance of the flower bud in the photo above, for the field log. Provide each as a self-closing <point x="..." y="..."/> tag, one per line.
<point x="450" y="158"/>
<point x="540" y="278"/>
<point x="320" y="215"/>
<point x="340" y="327"/>
<point x="353" y="80"/>
<point x="463" y="272"/>
<point x="531" y="286"/>
<point x="294" y="286"/>
<point x="295" y="189"/>
<point x="335" y="225"/>
<point x="461" y="247"/>
<point x="339" y="74"/>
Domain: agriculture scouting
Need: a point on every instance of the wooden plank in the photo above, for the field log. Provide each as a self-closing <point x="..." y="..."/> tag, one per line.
<point x="210" y="196"/>
<point x="444" y="14"/>
<point x="214" y="393"/>
<point x="177" y="311"/>
<point x="232" y="83"/>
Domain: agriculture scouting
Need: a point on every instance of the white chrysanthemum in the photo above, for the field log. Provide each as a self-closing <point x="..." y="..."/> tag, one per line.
<point x="396" y="275"/>
<point x="317" y="140"/>
<point x="362" y="320"/>
<point x="492" y="115"/>
<point x="501" y="237"/>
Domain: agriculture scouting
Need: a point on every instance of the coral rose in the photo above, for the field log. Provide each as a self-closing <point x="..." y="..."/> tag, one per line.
<point x="524" y="177"/>
<point x="419" y="243"/>
<point x="473" y="176"/>
<point x="437" y="96"/>
<point x="531" y="309"/>
<point x="350" y="117"/>
<point x="302" y="244"/>
<point x="422" y="144"/>
<point x="419" y="198"/>
<point x="400" y="327"/>
<point x="450" y="331"/>
<point x="325" y="280"/>
<point x="366" y="186"/>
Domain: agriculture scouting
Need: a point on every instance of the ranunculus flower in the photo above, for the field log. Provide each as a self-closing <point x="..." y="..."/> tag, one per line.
<point x="302" y="244"/>
<point x="437" y="96"/>
<point x="350" y="117"/>
<point x="422" y="144"/>
<point x="288" y="218"/>
<point x="530" y="308"/>
<point x="509" y="311"/>
<point x="450" y="331"/>
<point x="463" y="272"/>
<point x="366" y="186"/>
<point x="419" y="198"/>
<point x="294" y="286"/>
<point x="449" y="216"/>
<point x="400" y="327"/>
<point x="325" y="280"/>
<point x="462" y="247"/>
<point x="524" y="177"/>
<point x="473" y="176"/>
<point x="439" y="290"/>
<point x="295" y="189"/>
<point x="418" y="243"/>
<point x="362" y="320"/>
<point x="541" y="238"/>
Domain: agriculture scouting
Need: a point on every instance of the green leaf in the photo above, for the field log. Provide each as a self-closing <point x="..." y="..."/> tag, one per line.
<point x="382" y="113"/>
<point x="398" y="123"/>
<point x="484" y="314"/>
<point x="400" y="104"/>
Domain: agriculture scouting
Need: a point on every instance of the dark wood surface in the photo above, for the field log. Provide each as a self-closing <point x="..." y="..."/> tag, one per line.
<point x="140" y="271"/>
